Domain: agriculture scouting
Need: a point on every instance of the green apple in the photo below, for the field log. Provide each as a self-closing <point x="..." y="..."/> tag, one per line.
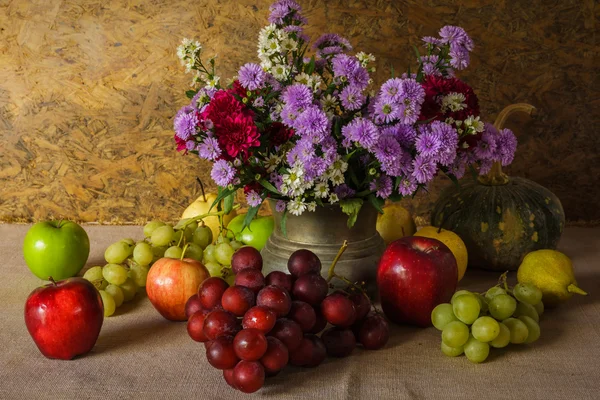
<point x="57" y="249"/>
<point x="255" y="235"/>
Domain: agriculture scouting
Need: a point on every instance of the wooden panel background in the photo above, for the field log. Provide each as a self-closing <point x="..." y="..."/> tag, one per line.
<point x="88" y="90"/>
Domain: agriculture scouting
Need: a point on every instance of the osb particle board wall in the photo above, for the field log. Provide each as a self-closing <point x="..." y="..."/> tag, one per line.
<point x="88" y="90"/>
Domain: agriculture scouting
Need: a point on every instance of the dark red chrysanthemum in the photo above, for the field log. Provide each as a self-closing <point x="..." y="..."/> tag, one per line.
<point x="278" y="134"/>
<point x="236" y="133"/>
<point x="222" y="105"/>
<point x="253" y="186"/>
<point x="438" y="87"/>
<point x="238" y="89"/>
<point x="180" y="144"/>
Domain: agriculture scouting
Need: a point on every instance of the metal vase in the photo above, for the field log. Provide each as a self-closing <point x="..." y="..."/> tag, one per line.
<point x="323" y="232"/>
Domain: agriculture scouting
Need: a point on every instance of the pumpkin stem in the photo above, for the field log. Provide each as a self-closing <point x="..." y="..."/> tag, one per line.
<point x="496" y="177"/>
<point x="574" y="289"/>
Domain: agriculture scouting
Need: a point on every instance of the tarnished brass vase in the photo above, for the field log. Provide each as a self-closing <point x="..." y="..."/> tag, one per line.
<point x="323" y="232"/>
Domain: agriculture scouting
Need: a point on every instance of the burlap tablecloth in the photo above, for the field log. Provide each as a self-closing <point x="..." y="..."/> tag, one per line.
<point x="140" y="355"/>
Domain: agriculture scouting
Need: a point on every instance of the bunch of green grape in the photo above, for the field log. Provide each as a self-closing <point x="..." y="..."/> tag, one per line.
<point x="472" y="323"/>
<point x="217" y="257"/>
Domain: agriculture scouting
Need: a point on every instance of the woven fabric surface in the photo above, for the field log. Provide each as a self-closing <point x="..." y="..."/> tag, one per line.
<point x="140" y="355"/>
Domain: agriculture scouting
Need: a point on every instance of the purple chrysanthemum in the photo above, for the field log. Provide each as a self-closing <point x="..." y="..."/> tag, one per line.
<point x="391" y="90"/>
<point x="276" y="179"/>
<point x="289" y="115"/>
<point x="428" y="143"/>
<point x="190" y="145"/>
<point x="431" y="40"/>
<point x="253" y="199"/>
<point x="459" y="58"/>
<point x="507" y="145"/>
<point x="331" y="39"/>
<point x="485" y="166"/>
<point x="456" y="36"/>
<point x="298" y="31"/>
<point x="382" y="186"/>
<point x="407" y="186"/>
<point x="406" y="135"/>
<point x="486" y="146"/>
<point x="352" y="98"/>
<point x="283" y="8"/>
<point x="387" y="148"/>
<point x="344" y="191"/>
<point x="312" y="123"/>
<point x="362" y="131"/>
<point x="252" y="76"/>
<point x="359" y="77"/>
<point x="222" y="173"/>
<point x="209" y="149"/>
<point x="280" y="206"/>
<point x="424" y="169"/>
<point x="457" y="168"/>
<point x="297" y="96"/>
<point x="343" y="65"/>
<point x="385" y="112"/>
<point x="185" y="125"/>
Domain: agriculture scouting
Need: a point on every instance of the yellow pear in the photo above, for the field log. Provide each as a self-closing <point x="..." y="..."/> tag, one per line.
<point x="552" y="272"/>
<point x="395" y="223"/>
<point x="454" y="243"/>
<point x="202" y="206"/>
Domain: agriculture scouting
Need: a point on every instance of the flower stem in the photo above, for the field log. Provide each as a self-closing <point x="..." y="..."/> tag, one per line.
<point x="211" y="214"/>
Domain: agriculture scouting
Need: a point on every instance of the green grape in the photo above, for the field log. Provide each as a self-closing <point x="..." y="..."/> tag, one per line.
<point x="114" y="273"/>
<point x="230" y="279"/>
<point x="174" y="252"/>
<point x="466" y="308"/>
<point x="441" y="315"/>
<point x="128" y="241"/>
<point x="158" y="251"/>
<point x="209" y="253"/>
<point x="455" y="334"/>
<point x="236" y="245"/>
<point x="142" y="253"/>
<point x="116" y="293"/>
<point x="451" y="351"/>
<point x="93" y="274"/>
<point x="223" y="253"/>
<point x="177" y="237"/>
<point x="203" y="236"/>
<point x="459" y="293"/>
<point x="485" y="329"/>
<point x="139" y="274"/>
<point x="493" y="292"/>
<point x="116" y="253"/>
<point x="528" y="310"/>
<point x="483" y="305"/>
<point x="194" y="251"/>
<point x="533" y="328"/>
<point x="502" y="306"/>
<point x="101" y="285"/>
<point x="503" y="338"/>
<point x="189" y="230"/>
<point x="214" y="268"/>
<point x="129" y="288"/>
<point x="476" y="351"/>
<point x="151" y="226"/>
<point x="527" y="293"/>
<point x="108" y="302"/>
<point x="539" y="307"/>
<point x="162" y="235"/>
<point x="518" y="330"/>
<point x="223" y="239"/>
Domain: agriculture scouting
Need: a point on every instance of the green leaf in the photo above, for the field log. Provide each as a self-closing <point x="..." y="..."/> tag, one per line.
<point x="474" y="172"/>
<point x="310" y="67"/>
<point x="417" y="52"/>
<point x="396" y="197"/>
<point x="191" y="93"/>
<point x="252" y="211"/>
<point x="221" y="194"/>
<point x="353" y="177"/>
<point x="228" y="203"/>
<point x="267" y="185"/>
<point x="452" y="178"/>
<point x="337" y="128"/>
<point x="284" y="223"/>
<point x="392" y="68"/>
<point x="377" y="202"/>
<point x="351" y="207"/>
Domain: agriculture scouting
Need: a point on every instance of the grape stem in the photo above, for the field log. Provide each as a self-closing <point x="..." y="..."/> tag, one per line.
<point x="210" y="214"/>
<point x="51" y="279"/>
<point x="183" y="252"/>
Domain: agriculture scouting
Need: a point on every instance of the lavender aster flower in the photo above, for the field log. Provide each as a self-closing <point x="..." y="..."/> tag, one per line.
<point x="428" y="143"/>
<point x="209" y="149"/>
<point x="297" y="96"/>
<point x="190" y="145"/>
<point x="344" y="191"/>
<point x="281" y="9"/>
<point x="253" y="199"/>
<point x="455" y="35"/>
<point x="362" y="131"/>
<point x="424" y="169"/>
<point x="312" y="123"/>
<point x="280" y="206"/>
<point x="383" y="186"/>
<point x="352" y="98"/>
<point x="298" y="31"/>
<point x="276" y="179"/>
<point x="387" y="148"/>
<point x="507" y="145"/>
<point x="185" y="125"/>
<point x="385" y="111"/>
<point x="486" y="146"/>
<point x="431" y="40"/>
<point x="459" y="57"/>
<point x="485" y="166"/>
<point x="392" y="91"/>
<point x="252" y="76"/>
<point x="332" y="42"/>
<point x="343" y="65"/>
<point x="407" y="186"/>
<point x="222" y="173"/>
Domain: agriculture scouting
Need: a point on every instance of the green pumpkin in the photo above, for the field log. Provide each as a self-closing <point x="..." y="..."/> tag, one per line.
<point x="500" y="221"/>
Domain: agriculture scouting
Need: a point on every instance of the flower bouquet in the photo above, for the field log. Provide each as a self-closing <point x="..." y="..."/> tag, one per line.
<point x="305" y="127"/>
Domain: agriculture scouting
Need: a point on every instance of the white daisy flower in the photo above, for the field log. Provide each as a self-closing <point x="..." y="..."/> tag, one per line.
<point x="280" y="72"/>
<point x="321" y="190"/>
<point x="333" y="198"/>
<point x="296" y="206"/>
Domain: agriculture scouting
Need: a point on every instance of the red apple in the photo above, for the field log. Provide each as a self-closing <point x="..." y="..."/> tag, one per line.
<point x="415" y="274"/>
<point x="64" y="318"/>
<point x="171" y="282"/>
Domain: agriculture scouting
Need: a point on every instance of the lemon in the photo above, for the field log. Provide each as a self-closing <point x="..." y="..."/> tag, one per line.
<point x="552" y="272"/>
<point x="395" y="223"/>
<point x="454" y="243"/>
<point x="202" y="206"/>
